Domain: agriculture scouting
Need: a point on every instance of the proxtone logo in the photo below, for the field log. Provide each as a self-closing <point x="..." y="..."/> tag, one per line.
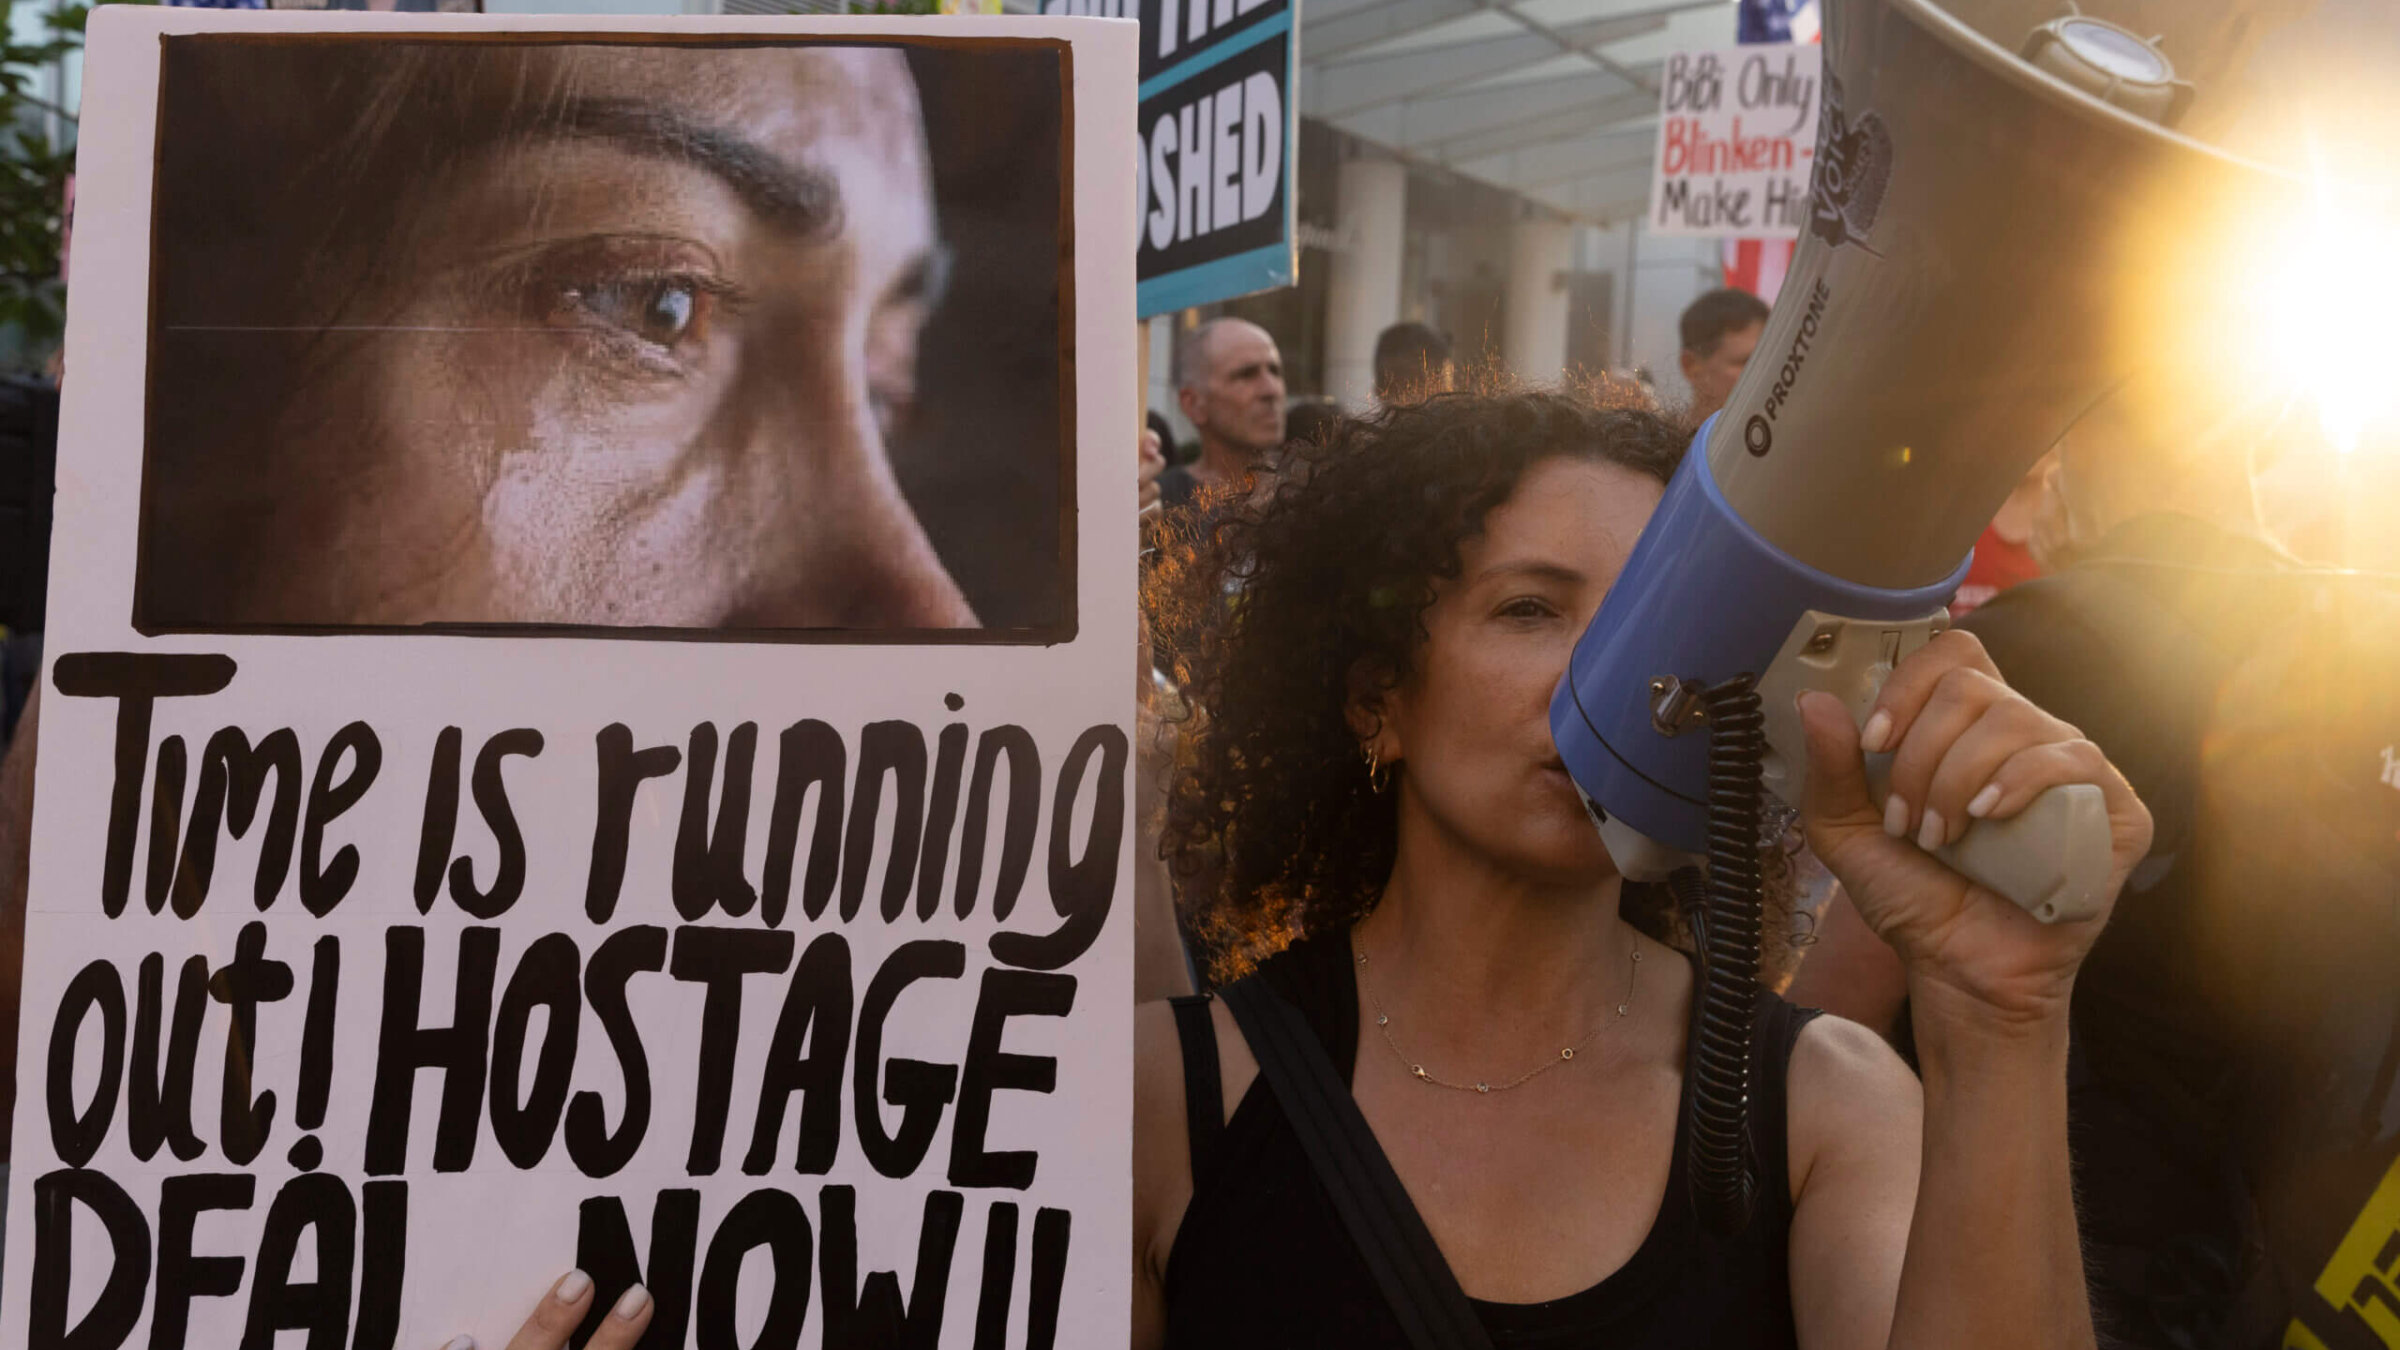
<point x="1758" y="434"/>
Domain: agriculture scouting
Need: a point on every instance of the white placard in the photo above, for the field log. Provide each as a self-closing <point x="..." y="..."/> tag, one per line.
<point x="541" y="470"/>
<point x="1737" y="137"/>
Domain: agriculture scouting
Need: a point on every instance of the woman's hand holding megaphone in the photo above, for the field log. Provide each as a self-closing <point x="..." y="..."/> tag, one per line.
<point x="1964" y="748"/>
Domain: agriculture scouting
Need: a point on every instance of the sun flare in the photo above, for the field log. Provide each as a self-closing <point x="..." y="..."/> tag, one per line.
<point x="2331" y="316"/>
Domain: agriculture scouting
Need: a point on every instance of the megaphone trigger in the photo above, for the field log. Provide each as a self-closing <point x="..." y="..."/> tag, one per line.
<point x="1847" y="658"/>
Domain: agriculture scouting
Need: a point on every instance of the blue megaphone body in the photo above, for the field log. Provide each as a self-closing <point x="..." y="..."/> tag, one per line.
<point x="1703" y="598"/>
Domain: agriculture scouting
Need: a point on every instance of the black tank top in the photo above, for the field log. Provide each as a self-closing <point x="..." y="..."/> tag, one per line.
<point x="1262" y="1259"/>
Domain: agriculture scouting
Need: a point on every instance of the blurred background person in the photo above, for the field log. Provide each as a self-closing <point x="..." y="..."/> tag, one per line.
<point x="1412" y="363"/>
<point x="1719" y="331"/>
<point x="1312" y="420"/>
<point x="2004" y="554"/>
<point x="1229" y="383"/>
<point x="1152" y="461"/>
<point x="1159" y="426"/>
<point x="2163" y="585"/>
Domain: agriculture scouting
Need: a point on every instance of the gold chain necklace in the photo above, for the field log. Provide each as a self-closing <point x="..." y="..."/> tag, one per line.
<point x="1383" y="1024"/>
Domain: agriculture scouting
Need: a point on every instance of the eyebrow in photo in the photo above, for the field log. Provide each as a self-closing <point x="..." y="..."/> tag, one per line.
<point x="793" y="198"/>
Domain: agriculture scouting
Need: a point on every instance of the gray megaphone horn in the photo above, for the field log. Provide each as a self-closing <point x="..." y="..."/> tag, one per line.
<point x="2016" y="205"/>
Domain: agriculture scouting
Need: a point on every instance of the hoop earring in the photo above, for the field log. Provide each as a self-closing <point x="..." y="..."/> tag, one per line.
<point x="1379" y="774"/>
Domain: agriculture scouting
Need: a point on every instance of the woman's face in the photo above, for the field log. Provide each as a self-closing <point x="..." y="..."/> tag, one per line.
<point x="637" y="365"/>
<point x="1472" y="724"/>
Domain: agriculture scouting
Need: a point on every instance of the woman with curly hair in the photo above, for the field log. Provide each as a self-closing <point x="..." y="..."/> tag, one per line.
<point x="1372" y="823"/>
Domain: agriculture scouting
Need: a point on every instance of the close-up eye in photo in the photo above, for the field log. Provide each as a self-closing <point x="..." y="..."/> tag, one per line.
<point x="663" y="312"/>
<point x="688" y="316"/>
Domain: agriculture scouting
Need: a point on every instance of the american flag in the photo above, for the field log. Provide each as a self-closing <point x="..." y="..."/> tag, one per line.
<point x="1758" y="265"/>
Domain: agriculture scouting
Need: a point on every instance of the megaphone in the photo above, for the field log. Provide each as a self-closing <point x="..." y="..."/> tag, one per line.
<point x="2002" y="224"/>
<point x="2008" y="203"/>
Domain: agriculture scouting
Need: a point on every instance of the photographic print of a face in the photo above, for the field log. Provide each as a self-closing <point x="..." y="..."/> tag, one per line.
<point x="729" y="339"/>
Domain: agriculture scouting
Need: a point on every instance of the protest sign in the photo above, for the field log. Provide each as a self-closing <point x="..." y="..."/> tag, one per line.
<point x="1737" y="135"/>
<point x="592" y="673"/>
<point x="1218" y="125"/>
<point x="1219" y="108"/>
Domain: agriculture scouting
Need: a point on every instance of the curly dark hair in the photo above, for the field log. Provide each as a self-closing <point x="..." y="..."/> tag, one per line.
<point x="1271" y="598"/>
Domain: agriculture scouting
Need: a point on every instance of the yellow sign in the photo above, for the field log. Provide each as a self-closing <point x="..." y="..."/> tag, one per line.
<point x="2363" y="1278"/>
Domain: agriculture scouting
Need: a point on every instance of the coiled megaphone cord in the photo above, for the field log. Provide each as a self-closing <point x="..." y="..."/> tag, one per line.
<point x="1723" y="910"/>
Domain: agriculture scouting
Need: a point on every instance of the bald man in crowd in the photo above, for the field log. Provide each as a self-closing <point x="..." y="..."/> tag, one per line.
<point x="1229" y="381"/>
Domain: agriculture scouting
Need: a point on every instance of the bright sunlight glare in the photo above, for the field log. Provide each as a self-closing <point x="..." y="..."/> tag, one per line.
<point x="2328" y="303"/>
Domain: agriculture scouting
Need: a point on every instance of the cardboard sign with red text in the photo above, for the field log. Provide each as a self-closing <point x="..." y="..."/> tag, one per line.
<point x="1737" y="136"/>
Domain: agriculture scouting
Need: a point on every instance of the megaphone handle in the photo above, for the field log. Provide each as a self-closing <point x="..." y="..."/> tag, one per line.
<point x="2052" y="858"/>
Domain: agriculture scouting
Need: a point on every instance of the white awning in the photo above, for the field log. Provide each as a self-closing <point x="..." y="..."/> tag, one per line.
<point x="1556" y="100"/>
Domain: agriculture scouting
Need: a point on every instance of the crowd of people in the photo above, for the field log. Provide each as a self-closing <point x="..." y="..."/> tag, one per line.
<point x="1356" y="805"/>
<point x="2003" y="1134"/>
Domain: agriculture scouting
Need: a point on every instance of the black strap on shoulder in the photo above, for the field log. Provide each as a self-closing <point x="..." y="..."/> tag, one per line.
<point x="1416" y="1282"/>
<point x="1203" y="1082"/>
